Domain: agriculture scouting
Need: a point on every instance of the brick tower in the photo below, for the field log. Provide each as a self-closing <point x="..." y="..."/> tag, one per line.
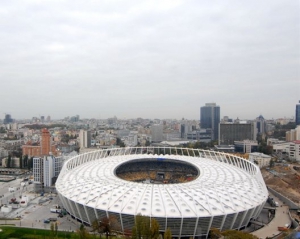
<point x="45" y="142"/>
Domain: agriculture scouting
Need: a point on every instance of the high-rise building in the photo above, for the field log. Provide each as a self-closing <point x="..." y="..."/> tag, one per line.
<point x="74" y="118"/>
<point x="45" y="142"/>
<point x="157" y="132"/>
<point x="230" y="132"/>
<point x="37" y="169"/>
<point x="85" y="138"/>
<point x="210" y="118"/>
<point x="7" y="119"/>
<point x="185" y="128"/>
<point x="261" y="124"/>
<point x="46" y="169"/>
<point x="298" y="114"/>
<point x="44" y="148"/>
<point x="293" y="134"/>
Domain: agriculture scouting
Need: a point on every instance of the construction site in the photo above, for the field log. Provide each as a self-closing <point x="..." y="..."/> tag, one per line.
<point x="285" y="179"/>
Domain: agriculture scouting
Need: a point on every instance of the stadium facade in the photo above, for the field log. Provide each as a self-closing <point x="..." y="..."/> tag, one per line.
<point x="227" y="193"/>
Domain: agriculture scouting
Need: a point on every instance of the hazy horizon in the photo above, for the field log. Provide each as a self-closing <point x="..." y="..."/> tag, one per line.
<point x="149" y="59"/>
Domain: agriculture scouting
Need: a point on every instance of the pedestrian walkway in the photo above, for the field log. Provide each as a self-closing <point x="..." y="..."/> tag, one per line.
<point x="280" y="220"/>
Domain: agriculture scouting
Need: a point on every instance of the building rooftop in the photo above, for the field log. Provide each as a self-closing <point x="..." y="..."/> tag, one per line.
<point x="260" y="155"/>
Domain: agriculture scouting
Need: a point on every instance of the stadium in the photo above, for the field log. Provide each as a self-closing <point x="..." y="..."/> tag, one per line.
<point x="186" y="190"/>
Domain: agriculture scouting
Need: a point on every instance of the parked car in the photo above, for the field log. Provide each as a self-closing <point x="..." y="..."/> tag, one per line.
<point x="46" y="221"/>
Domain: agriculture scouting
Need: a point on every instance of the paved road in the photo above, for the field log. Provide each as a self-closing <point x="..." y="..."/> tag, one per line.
<point x="281" y="219"/>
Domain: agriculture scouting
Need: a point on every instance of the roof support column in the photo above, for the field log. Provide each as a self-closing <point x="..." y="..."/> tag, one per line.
<point x="234" y="219"/>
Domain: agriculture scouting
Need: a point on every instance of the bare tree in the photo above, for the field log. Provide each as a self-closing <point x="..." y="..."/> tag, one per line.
<point x="108" y="225"/>
<point x="83" y="233"/>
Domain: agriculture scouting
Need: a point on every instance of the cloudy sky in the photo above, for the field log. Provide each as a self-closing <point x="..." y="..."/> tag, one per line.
<point x="149" y="59"/>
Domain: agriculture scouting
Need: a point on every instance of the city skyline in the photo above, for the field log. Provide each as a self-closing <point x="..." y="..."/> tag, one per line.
<point x="82" y="117"/>
<point x="150" y="59"/>
<point x="69" y="118"/>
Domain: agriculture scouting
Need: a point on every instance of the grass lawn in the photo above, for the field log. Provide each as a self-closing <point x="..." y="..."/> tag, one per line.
<point x="31" y="233"/>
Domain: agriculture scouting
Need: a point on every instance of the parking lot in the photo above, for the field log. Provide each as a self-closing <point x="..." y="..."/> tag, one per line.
<point x="37" y="211"/>
<point x="35" y="215"/>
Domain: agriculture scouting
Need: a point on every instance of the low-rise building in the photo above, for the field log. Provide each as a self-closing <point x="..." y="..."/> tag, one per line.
<point x="262" y="160"/>
<point x="202" y="135"/>
<point x="272" y="141"/>
<point x="291" y="149"/>
<point x="295" y="150"/>
<point x="224" y="148"/>
<point x="245" y="146"/>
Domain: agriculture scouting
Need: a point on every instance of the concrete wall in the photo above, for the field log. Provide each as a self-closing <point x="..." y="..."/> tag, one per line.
<point x="284" y="199"/>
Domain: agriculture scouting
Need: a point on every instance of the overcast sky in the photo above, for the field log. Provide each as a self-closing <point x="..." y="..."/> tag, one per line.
<point x="149" y="59"/>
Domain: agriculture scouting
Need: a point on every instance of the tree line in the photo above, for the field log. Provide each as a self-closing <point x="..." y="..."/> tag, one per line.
<point x="146" y="228"/>
<point x="42" y="126"/>
<point x="24" y="162"/>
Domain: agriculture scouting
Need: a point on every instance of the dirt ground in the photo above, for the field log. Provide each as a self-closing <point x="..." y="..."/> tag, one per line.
<point x="284" y="178"/>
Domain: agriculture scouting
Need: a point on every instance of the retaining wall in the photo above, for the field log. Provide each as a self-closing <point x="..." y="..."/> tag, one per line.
<point x="284" y="199"/>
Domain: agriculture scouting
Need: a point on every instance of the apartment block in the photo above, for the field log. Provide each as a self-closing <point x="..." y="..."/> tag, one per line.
<point x="46" y="169"/>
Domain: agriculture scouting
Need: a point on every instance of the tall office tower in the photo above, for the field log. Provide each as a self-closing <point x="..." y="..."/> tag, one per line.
<point x="261" y="124"/>
<point x="85" y="138"/>
<point x="7" y="119"/>
<point x="45" y="142"/>
<point x="210" y="118"/>
<point x="185" y="128"/>
<point x="298" y="114"/>
<point x="182" y="131"/>
<point x="74" y="118"/>
<point x="157" y="132"/>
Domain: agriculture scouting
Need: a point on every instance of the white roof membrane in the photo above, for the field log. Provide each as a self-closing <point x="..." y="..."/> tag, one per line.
<point x="221" y="188"/>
